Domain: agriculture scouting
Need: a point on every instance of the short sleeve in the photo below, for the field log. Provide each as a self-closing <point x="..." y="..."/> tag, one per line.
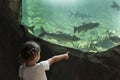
<point x="20" y="71"/>
<point x="45" y="65"/>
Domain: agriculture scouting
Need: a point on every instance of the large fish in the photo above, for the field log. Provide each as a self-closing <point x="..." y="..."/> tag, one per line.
<point x="115" y="5"/>
<point x="59" y="36"/>
<point x="86" y="26"/>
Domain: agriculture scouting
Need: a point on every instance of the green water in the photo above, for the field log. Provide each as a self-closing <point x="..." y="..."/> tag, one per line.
<point x="54" y="21"/>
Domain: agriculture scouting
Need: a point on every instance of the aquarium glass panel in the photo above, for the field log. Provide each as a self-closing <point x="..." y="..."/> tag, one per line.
<point x="89" y="25"/>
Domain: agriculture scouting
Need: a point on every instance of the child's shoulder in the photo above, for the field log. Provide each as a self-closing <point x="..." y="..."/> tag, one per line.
<point x="22" y="66"/>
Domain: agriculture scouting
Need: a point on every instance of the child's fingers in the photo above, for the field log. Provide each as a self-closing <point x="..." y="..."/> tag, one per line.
<point x="67" y="52"/>
<point x="66" y="55"/>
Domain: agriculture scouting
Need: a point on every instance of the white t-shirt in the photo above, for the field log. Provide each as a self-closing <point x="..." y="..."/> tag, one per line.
<point x="36" y="72"/>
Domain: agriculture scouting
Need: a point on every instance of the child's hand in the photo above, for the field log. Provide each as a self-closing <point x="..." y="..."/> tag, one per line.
<point x="66" y="56"/>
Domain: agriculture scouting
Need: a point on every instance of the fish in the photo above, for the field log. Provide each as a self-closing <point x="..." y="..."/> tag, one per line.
<point x="86" y="26"/>
<point x="31" y="28"/>
<point x="59" y="36"/>
<point x="115" y="5"/>
<point x="77" y="14"/>
<point x="115" y="38"/>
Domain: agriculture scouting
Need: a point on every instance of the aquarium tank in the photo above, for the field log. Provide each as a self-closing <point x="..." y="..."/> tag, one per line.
<point x="89" y="25"/>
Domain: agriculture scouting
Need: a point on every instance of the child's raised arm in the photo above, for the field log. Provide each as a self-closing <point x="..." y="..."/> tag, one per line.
<point x="58" y="58"/>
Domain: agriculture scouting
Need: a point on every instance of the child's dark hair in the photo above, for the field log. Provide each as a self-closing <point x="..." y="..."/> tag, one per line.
<point x="29" y="50"/>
